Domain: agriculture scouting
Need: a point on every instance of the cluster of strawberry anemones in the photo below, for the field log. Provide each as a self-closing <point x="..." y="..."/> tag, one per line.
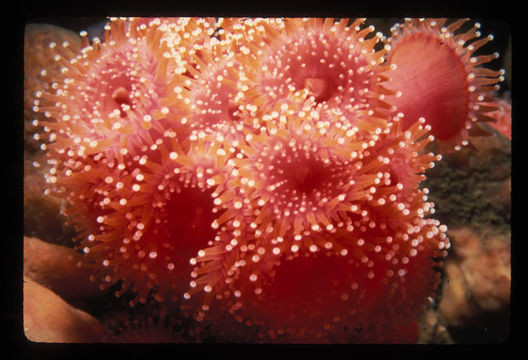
<point x="263" y="173"/>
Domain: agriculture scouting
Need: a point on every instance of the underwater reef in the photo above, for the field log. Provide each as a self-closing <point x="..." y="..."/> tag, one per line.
<point x="266" y="180"/>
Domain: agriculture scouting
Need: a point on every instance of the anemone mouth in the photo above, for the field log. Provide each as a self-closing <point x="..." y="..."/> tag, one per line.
<point x="320" y="87"/>
<point x="121" y="96"/>
<point x="304" y="177"/>
<point x="299" y="181"/>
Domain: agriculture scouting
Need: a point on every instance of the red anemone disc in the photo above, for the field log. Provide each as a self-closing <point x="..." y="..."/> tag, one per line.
<point x="436" y="76"/>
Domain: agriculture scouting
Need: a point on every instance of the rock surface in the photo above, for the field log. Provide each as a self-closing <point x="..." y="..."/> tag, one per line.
<point x="476" y="290"/>
<point x="58" y="268"/>
<point x="49" y="319"/>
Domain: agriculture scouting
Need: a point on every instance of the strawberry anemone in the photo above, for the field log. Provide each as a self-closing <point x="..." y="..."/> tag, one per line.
<point x="301" y="174"/>
<point x="296" y="175"/>
<point x="437" y="76"/>
<point x="263" y="175"/>
<point x="110" y="97"/>
<point x="348" y="273"/>
<point x="210" y="101"/>
<point x="309" y="206"/>
<point x="156" y="218"/>
<point x="334" y="61"/>
<point x="86" y="187"/>
<point x="206" y="86"/>
<point x="348" y="284"/>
